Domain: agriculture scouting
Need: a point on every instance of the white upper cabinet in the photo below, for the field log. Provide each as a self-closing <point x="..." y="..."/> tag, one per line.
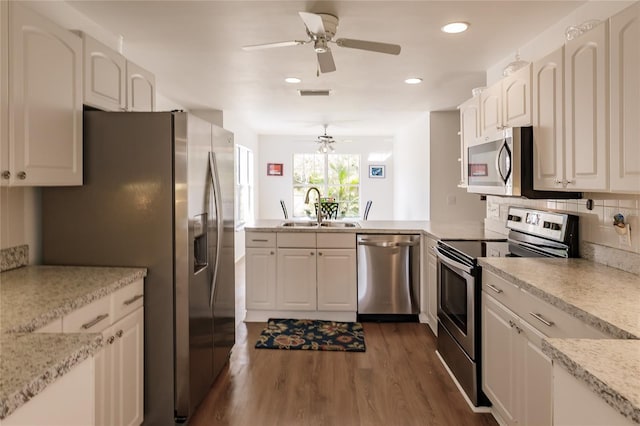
<point x="516" y="98"/>
<point x="548" y="121"/>
<point x="491" y="109"/>
<point x="586" y="114"/>
<point x="105" y="76"/>
<point x="4" y="92"/>
<point x="469" y="133"/>
<point x="141" y="92"/>
<point x="45" y="102"/>
<point x="625" y="100"/>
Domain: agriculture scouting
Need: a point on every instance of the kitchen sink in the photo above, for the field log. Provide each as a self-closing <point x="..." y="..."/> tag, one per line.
<point x="314" y="224"/>
<point x="300" y="224"/>
<point x="339" y="225"/>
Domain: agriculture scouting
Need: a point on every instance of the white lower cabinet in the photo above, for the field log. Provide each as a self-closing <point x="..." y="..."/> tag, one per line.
<point x="296" y="279"/>
<point x="516" y="375"/>
<point x="120" y="373"/>
<point x="303" y="275"/>
<point x="336" y="275"/>
<point x="260" y="273"/>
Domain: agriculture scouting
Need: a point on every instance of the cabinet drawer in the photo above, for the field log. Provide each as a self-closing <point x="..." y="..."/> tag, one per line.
<point x="431" y="243"/>
<point x="336" y="240"/>
<point x="561" y="323"/>
<point x="297" y="239"/>
<point x="92" y="318"/>
<point x="127" y="300"/>
<point x="502" y="290"/>
<point x="260" y="239"/>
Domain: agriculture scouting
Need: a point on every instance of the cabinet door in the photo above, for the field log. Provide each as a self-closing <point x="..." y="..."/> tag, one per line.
<point x="296" y="285"/>
<point x="45" y="101"/>
<point x="432" y="272"/>
<point x="516" y="98"/>
<point x="105" y="73"/>
<point x="625" y="100"/>
<point x="586" y="115"/>
<point x="548" y="121"/>
<point x="536" y="384"/>
<point x="104" y="379"/>
<point x="260" y="268"/>
<point x="128" y="363"/>
<point x="500" y="355"/>
<point x="141" y="89"/>
<point x="337" y="285"/>
<point x="491" y="109"/>
<point x="469" y="133"/>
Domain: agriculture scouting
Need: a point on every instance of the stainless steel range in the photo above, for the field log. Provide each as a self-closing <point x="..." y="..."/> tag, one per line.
<point x="532" y="233"/>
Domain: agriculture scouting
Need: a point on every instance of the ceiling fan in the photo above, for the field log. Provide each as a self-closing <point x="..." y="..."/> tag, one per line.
<point x="326" y="142"/>
<point x="321" y="28"/>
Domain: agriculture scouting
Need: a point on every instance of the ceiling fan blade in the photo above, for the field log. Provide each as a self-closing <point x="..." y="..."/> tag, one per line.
<point x="325" y="60"/>
<point x="277" y="44"/>
<point x="373" y="46"/>
<point x="313" y="23"/>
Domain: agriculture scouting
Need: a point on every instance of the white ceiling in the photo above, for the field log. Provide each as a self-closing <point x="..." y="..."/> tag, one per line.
<point x="194" y="49"/>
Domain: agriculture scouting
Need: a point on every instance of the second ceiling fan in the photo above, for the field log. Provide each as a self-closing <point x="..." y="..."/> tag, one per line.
<point x="321" y="28"/>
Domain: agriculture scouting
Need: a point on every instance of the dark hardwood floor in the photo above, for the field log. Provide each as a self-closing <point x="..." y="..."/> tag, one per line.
<point x="397" y="381"/>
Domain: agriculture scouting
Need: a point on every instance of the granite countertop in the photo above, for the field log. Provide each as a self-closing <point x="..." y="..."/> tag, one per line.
<point x="33" y="296"/>
<point x="611" y="368"/>
<point x="604" y="297"/>
<point x="466" y="230"/>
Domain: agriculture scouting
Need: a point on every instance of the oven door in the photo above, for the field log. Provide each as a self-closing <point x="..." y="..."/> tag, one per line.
<point x="456" y="301"/>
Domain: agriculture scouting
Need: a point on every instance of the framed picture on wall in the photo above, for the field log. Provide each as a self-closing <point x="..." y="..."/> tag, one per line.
<point x="376" y="171"/>
<point x="274" y="169"/>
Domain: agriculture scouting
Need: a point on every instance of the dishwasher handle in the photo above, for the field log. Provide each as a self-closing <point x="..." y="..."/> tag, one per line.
<point x="388" y="244"/>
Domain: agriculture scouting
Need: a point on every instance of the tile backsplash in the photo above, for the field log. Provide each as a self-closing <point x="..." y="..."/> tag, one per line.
<point x="596" y="225"/>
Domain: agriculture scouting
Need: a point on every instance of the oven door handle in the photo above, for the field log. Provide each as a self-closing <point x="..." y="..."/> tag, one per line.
<point x="448" y="261"/>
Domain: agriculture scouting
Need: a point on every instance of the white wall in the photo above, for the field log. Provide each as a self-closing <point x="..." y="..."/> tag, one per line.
<point x="280" y="149"/>
<point x="243" y="135"/>
<point x="412" y="175"/>
<point x="554" y="36"/>
<point x="447" y="201"/>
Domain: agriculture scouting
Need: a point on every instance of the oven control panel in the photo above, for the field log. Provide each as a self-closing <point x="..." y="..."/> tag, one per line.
<point x="544" y="224"/>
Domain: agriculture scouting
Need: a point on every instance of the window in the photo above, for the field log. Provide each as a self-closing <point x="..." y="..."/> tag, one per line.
<point x="244" y="185"/>
<point x="337" y="176"/>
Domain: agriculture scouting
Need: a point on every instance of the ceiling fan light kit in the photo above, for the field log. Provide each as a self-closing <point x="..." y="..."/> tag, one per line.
<point x="321" y="28"/>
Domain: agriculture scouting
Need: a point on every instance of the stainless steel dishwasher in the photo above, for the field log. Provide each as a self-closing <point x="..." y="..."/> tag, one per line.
<point x="388" y="276"/>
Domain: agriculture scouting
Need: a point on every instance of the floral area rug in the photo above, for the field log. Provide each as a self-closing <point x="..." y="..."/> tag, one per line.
<point x="312" y="335"/>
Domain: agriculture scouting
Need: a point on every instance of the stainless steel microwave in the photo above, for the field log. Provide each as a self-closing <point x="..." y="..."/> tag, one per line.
<point x="502" y="164"/>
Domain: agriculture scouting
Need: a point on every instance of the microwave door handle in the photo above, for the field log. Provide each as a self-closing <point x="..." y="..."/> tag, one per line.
<point x="506" y="154"/>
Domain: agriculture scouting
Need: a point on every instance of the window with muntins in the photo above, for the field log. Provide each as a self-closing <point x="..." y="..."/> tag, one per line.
<point x="244" y="185"/>
<point x="337" y="176"/>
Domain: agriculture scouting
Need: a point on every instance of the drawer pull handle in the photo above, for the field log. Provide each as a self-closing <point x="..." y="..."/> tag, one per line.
<point x="260" y="241"/>
<point x="494" y="288"/>
<point x="541" y="319"/>
<point x="110" y="340"/>
<point x="94" y="321"/>
<point x="133" y="299"/>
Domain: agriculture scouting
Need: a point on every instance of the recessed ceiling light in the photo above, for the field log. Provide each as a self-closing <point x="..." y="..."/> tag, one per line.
<point x="292" y="80"/>
<point x="455" y="27"/>
<point x="413" y="80"/>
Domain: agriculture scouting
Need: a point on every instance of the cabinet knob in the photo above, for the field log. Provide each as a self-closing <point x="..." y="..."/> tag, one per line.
<point x="319" y="253"/>
<point x="22" y="175"/>
<point x="6" y="174"/>
<point x="272" y="253"/>
<point x="110" y="340"/>
<point x="311" y="253"/>
<point x="119" y="333"/>
<point x="557" y="181"/>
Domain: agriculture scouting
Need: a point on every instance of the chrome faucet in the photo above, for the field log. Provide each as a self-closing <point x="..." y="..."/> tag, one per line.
<point x="306" y="201"/>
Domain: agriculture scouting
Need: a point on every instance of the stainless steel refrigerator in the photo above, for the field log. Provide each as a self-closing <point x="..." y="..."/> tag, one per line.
<point x="158" y="193"/>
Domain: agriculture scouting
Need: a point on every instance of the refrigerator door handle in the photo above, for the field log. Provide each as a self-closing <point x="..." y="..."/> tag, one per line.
<point x="215" y="185"/>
